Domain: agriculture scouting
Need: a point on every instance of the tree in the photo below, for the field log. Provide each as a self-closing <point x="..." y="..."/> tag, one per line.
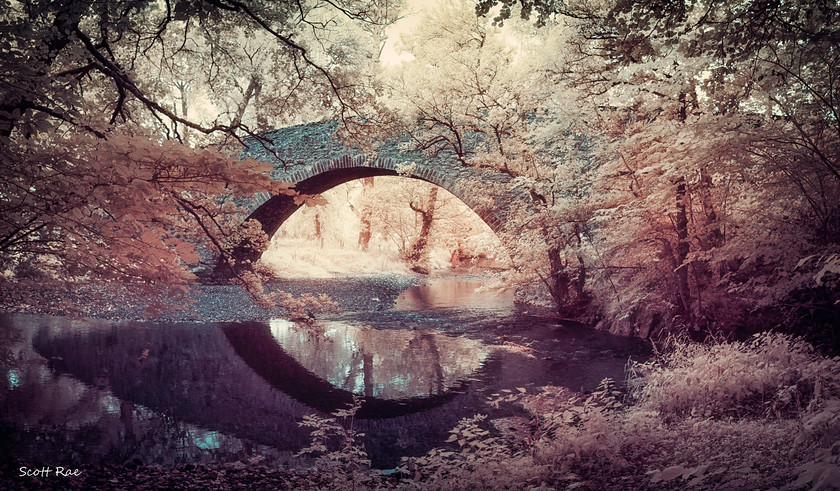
<point x="475" y="93"/>
<point x="467" y="87"/>
<point x="103" y="47"/>
<point x="365" y="216"/>
<point x="717" y="142"/>
<point x="96" y="179"/>
<point x="425" y="210"/>
<point x="770" y="62"/>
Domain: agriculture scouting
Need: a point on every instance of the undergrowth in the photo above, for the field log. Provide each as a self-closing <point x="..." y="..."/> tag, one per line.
<point x="759" y="414"/>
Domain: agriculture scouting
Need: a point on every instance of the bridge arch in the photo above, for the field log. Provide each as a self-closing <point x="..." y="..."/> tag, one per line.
<point x="324" y="176"/>
<point x="314" y="159"/>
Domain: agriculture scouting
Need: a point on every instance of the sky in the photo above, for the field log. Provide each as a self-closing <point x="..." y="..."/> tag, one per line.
<point x="410" y="19"/>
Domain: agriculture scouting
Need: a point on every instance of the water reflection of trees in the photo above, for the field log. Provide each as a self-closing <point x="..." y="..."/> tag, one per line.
<point x="385" y="364"/>
<point x="190" y="373"/>
<point x="55" y="418"/>
<point x="86" y="394"/>
<point x="445" y="293"/>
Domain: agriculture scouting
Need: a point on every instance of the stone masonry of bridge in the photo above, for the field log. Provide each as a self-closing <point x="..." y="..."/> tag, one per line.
<point x="314" y="159"/>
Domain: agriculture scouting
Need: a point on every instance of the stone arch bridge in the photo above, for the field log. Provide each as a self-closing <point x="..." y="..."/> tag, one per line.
<point x="314" y="159"/>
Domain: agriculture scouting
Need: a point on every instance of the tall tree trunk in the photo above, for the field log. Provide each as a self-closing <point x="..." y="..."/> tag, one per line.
<point x="417" y="254"/>
<point x="566" y="283"/>
<point x="712" y="235"/>
<point x="254" y="88"/>
<point x="365" y="218"/>
<point x="182" y="88"/>
<point x="262" y="119"/>
<point x="580" y="281"/>
<point x="681" y="224"/>
<point x="558" y="280"/>
<point x="319" y="236"/>
<point x="681" y="271"/>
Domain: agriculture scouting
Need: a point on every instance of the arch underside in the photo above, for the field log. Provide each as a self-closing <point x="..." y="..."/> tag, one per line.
<point x="277" y="209"/>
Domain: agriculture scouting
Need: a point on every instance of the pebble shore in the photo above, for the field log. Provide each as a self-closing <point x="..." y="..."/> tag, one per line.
<point x="209" y="302"/>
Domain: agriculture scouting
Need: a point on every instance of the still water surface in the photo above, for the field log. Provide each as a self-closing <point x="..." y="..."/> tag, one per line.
<point x="99" y="392"/>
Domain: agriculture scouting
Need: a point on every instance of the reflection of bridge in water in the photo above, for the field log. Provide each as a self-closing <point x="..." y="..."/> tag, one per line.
<point x="108" y="393"/>
<point x="325" y="366"/>
<point x="386" y="364"/>
<point x="238" y="380"/>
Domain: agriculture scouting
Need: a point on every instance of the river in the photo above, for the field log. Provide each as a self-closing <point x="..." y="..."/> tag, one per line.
<point x="89" y="392"/>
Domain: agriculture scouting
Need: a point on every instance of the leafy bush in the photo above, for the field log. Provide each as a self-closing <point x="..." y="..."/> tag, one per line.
<point x="771" y="374"/>
<point x="341" y="463"/>
<point x="578" y="434"/>
<point x="479" y="461"/>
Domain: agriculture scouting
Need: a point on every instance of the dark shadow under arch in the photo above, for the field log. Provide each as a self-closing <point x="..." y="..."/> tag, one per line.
<point x="279" y="208"/>
<point x="254" y="344"/>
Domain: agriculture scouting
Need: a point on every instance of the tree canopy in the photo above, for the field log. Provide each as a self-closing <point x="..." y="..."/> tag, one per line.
<point x="682" y="159"/>
<point x="121" y="122"/>
<point x="682" y="156"/>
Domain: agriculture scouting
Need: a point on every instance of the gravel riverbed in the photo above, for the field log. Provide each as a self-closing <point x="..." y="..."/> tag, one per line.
<point x="206" y="302"/>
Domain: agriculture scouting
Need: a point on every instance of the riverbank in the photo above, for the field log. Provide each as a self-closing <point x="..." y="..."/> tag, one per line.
<point x="757" y="414"/>
<point x="202" y="302"/>
<point x="764" y="418"/>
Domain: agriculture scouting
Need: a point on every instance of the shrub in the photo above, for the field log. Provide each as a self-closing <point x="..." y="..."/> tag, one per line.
<point x="476" y="460"/>
<point x="341" y="463"/>
<point x="772" y="375"/>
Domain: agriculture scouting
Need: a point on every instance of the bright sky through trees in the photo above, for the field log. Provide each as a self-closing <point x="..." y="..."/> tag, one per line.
<point x="409" y="19"/>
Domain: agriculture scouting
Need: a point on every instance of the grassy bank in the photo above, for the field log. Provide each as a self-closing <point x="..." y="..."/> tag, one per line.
<point x="759" y="414"/>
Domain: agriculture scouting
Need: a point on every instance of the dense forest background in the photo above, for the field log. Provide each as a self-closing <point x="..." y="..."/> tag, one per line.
<point x="681" y="157"/>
